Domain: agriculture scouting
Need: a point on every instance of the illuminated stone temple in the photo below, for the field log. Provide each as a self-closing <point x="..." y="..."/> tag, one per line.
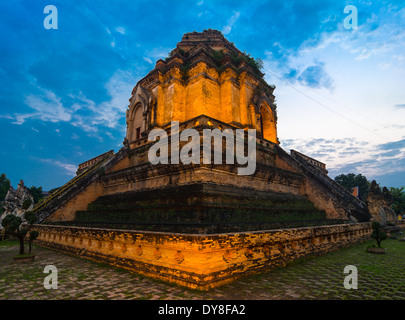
<point x="204" y="75"/>
<point x="201" y="225"/>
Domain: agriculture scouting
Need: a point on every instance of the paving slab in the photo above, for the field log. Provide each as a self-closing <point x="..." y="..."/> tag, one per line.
<point x="315" y="278"/>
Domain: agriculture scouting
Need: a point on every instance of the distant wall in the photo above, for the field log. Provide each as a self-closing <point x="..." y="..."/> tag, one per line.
<point x="200" y="261"/>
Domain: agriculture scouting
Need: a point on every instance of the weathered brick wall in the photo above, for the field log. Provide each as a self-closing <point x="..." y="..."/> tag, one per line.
<point x="200" y="261"/>
<point x="67" y="211"/>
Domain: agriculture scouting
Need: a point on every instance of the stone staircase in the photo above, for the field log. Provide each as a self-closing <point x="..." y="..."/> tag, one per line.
<point x="355" y="209"/>
<point x="76" y="185"/>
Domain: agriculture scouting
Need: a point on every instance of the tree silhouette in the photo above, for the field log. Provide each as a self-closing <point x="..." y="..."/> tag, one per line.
<point x="352" y="180"/>
<point x="378" y="234"/>
<point x="19" y="227"/>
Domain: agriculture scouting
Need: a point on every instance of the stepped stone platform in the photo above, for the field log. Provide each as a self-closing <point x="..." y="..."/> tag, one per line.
<point x="127" y="182"/>
<point x="201" y="208"/>
<point x="199" y="261"/>
<point x="201" y="225"/>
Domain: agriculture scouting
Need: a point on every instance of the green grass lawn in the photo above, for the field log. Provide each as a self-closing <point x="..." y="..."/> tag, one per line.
<point x="9" y="243"/>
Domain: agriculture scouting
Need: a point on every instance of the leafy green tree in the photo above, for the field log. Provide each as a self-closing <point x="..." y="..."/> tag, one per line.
<point x="399" y="199"/>
<point x="26" y="204"/>
<point x="378" y="234"/>
<point x="352" y="180"/>
<point x="36" y="194"/>
<point x="4" y="186"/>
<point x="19" y="227"/>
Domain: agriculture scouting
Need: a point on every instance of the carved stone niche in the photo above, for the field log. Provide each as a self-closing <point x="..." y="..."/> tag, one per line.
<point x="228" y="255"/>
<point x="138" y="114"/>
<point x="179" y="257"/>
<point x="87" y="243"/>
<point x="122" y="248"/>
<point x="99" y="244"/>
<point x="71" y="240"/>
<point x="139" y="250"/>
<point x="267" y="251"/>
<point x="109" y="246"/>
<point x="157" y="254"/>
<point x="248" y="252"/>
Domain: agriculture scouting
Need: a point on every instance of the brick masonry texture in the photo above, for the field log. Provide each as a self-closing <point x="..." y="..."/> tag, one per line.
<point x="200" y="261"/>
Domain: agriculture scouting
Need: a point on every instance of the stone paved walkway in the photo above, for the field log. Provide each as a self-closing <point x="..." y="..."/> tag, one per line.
<point x="379" y="277"/>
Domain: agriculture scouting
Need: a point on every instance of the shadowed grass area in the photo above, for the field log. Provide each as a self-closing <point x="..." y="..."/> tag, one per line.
<point x="8" y="243"/>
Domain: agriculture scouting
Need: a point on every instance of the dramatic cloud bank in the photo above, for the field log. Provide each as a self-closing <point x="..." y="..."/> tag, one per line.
<point x="64" y="92"/>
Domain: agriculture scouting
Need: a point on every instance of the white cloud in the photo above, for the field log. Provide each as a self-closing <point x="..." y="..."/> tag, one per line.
<point x="120" y="30"/>
<point x="148" y="60"/>
<point x="227" y="29"/>
<point x="47" y="106"/>
<point x="90" y="115"/>
<point x="352" y="155"/>
<point x="20" y="118"/>
<point x="68" y="167"/>
<point x="366" y="67"/>
<point x="6" y="116"/>
<point x="157" y="53"/>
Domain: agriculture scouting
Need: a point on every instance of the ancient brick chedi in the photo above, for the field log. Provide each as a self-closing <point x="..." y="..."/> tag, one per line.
<point x="205" y="83"/>
<point x="201" y="224"/>
<point x="207" y="75"/>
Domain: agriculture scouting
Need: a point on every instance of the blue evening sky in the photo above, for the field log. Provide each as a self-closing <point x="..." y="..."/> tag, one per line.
<point x="64" y="92"/>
